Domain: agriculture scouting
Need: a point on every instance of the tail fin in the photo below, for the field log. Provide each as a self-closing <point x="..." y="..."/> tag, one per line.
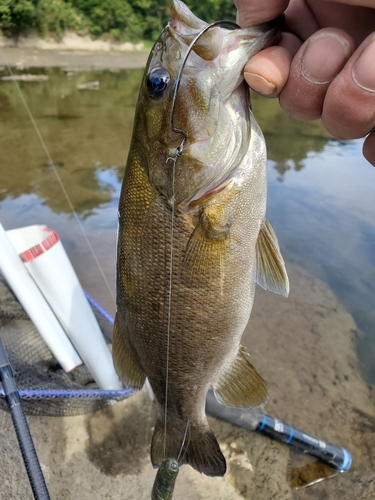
<point x="202" y="454"/>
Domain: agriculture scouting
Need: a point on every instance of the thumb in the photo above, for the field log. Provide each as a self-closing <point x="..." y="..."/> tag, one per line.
<point x="251" y="12"/>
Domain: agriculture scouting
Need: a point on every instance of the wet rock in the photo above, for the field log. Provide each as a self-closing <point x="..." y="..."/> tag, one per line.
<point x="89" y="85"/>
<point x="25" y="77"/>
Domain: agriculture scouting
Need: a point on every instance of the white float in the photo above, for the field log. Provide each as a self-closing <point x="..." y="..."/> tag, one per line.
<point x="35" y="305"/>
<point x="47" y="262"/>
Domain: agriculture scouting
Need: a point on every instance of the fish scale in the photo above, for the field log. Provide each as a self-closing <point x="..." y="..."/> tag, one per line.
<point x="218" y="217"/>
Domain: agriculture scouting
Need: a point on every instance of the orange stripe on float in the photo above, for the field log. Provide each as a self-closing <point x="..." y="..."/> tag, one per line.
<point x="35" y="251"/>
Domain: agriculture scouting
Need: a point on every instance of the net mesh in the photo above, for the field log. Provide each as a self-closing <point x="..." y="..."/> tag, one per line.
<point x="35" y="367"/>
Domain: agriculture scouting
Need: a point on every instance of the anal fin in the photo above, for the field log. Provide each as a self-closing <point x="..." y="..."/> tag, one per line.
<point x="241" y="385"/>
<point x="125" y="359"/>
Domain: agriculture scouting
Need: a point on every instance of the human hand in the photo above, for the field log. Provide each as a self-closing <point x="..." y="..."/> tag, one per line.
<point x="324" y="65"/>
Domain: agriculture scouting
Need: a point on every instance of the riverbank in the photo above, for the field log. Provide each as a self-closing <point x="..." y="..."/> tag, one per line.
<point x="28" y="57"/>
<point x="72" y="52"/>
<point x="304" y="348"/>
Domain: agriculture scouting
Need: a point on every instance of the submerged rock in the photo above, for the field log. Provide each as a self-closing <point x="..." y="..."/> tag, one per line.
<point x="89" y="85"/>
<point x="26" y="77"/>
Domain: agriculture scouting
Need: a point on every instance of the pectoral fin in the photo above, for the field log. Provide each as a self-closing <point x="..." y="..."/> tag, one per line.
<point x="241" y="385"/>
<point x="270" y="268"/>
<point x="125" y="359"/>
<point x="207" y="249"/>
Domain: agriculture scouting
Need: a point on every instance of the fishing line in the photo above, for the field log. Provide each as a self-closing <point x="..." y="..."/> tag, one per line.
<point x="57" y="175"/>
<point x="183" y="442"/>
<point x="174" y="159"/>
<point x="169" y="305"/>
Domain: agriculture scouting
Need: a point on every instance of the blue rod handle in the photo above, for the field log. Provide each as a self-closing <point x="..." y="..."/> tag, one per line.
<point x="336" y="456"/>
<point x="253" y="420"/>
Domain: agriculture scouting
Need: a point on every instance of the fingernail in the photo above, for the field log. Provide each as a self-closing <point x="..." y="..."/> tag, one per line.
<point x="260" y="84"/>
<point x="324" y="57"/>
<point x="363" y="71"/>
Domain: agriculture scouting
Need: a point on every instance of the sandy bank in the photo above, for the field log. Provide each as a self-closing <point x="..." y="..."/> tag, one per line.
<point x="23" y="58"/>
<point x="70" y="41"/>
<point x="72" y="52"/>
<point x="303" y="347"/>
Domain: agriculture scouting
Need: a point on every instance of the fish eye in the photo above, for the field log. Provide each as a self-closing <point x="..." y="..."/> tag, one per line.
<point x="173" y="466"/>
<point x="157" y="82"/>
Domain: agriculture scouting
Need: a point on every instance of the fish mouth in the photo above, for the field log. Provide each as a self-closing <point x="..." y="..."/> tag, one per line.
<point x="223" y="52"/>
<point x="185" y="23"/>
<point x="185" y="27"/>
<point x="260" y="36"/>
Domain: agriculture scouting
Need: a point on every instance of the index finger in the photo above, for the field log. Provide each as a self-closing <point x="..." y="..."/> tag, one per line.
<point x="252" y="12"/>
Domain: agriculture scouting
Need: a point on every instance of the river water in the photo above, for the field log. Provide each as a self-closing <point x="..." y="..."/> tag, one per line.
<point x="321" y="199"/>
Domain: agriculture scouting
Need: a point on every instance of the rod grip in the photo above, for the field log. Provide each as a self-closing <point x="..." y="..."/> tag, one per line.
<point x="336" y="456"/>
<point x="25" y="441"/>
<point x="29" y="455"/>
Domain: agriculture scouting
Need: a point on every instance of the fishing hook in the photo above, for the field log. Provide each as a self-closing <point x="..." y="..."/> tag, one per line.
<point x="180" y="148"/>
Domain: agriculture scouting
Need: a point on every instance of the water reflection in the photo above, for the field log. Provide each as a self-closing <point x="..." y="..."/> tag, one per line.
<point x="324" y="216"/>
<point x="289" y="141"/>
<point x="81" y="129"/>
<point x="310" y="474"/>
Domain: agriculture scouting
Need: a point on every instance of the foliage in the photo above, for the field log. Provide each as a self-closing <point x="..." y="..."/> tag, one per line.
<point x="213" y="10"/>
<point x="17" y="15"/>
<point x="122" y="19"/>
<point x="57" y="16"/>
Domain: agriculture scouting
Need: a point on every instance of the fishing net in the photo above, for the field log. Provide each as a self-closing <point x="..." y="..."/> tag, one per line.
<point x="35" y="368"/>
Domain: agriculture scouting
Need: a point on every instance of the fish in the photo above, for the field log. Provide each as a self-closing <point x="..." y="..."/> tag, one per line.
<point x="165" y="480"/>
<point x="193" y="239"/>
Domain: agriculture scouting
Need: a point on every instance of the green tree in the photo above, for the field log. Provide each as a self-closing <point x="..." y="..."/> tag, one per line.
<point x="124" y="19"/>
<point x="57" y="16"/>
<point x="213" y="10"/>
<point x="17" y="15"/>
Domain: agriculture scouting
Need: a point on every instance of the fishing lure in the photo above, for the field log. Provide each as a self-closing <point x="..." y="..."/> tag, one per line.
<point x="166" y="476"/>
<point x="165" y="480"/>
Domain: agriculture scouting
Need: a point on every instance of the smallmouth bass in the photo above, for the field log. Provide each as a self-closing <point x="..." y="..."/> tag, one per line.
<point x="193" y="239"/>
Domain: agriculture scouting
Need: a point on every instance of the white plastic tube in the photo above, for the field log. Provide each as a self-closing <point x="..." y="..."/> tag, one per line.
<point x="35" y="305"/>
<point x="46" y="260"/>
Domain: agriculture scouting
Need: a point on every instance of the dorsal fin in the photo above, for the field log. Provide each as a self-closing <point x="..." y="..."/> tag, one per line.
<point x="270" y="268"/>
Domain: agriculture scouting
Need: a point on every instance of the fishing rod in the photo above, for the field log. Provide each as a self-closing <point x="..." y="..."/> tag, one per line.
<point x="254" y="420"/>
<point x="21" y="427"/>
<point x="251" y="419"/>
